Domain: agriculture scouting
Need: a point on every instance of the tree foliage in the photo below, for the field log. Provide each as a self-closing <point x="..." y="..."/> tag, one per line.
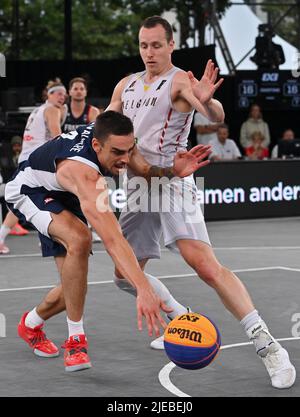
<point x="289" y="27"/>
<point x="101" y="29"/>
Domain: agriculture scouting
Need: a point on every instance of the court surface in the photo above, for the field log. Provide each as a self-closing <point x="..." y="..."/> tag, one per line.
<point x="264" y="253"/>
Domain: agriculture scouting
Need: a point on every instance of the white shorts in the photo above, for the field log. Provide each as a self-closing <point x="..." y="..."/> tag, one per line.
<point x="173" y="212"/>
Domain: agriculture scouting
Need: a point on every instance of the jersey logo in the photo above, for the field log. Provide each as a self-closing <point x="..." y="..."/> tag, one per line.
<point x="48" y="200"/>
<point x="146" y="87"/>
<point x="161" y="84"/>
<point x="130" y="88"/>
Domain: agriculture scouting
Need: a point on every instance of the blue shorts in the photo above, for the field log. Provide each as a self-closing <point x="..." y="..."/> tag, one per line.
<point x="53" y="202"/>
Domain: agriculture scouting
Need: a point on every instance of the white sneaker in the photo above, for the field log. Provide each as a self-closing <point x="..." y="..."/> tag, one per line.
<point x="274" y="356"/>
<point x="96" y="238"/>
<point x="4" y="250"/>
<point x="158" y="344"/>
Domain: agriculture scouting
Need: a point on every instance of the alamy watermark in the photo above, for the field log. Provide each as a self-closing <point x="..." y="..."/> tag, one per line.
<point x="296" y="327"/>
<point x="160" y="195"/>
<point x="2" y="325"/>
<point x="296" y="65"/>
<point x="2" y="65"/>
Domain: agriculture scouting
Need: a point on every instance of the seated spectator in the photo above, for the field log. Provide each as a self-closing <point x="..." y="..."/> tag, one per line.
<point x="288" y="134"/>
<point x="222" y="147"/>
<point x="9" y="161"/>
<point x="205" y="129"/>
<point x="254" y="123"/>
<point x="257" y="150"/>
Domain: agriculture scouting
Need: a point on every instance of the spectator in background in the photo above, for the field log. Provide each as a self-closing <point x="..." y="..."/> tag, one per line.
<point x="9" y="159"/>
<point x="288" y="134"/>
<point x="257" y="150"/>
<point x="16" y="147"/>
<point x="254" y="123"/>
<point x="205" y="129"/>
<point x="222" y="147"/>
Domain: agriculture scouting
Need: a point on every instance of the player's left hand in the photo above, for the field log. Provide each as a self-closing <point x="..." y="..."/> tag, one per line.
<point x="205" y="89"/>
<point x="187" y="162"/>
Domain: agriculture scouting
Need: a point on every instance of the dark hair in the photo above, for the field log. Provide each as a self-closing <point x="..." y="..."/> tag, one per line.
<point x="77" y="80"/>
<point x="153" y="21"/>
<point x="112" y="123"/>
<point x="223" y="126"/>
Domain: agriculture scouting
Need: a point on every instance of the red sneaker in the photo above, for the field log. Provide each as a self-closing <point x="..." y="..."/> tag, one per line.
<point x="76" y="357"/>
<point x="37" y="340"/>
<point x="18" y="230"/>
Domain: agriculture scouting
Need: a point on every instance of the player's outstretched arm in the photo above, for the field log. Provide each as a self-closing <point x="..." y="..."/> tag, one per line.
<point x="199" y="94"/>
<point x="185" y="163"/>
<point x="91" y="189"/>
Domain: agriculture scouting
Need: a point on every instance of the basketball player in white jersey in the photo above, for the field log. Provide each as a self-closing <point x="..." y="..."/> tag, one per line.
<point x="160" y="102"/>
<point x="43" y="124"/>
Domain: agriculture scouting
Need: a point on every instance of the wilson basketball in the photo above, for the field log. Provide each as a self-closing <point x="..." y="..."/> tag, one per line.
<point x="192" y="341"/>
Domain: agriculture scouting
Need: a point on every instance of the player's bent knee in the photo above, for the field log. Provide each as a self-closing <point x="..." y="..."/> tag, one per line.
<point x="211" y="274"/>
<point x="80" y="244"/>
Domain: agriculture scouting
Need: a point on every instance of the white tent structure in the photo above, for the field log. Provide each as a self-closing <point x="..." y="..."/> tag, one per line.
<point x="240" y="28"/>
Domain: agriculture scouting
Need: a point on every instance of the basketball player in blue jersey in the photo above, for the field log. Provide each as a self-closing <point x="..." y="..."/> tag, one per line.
<point x="160" y="102"/>
<point x="57" y="189"/>
<point x="43" y="124"/>
<point x="79" y="112"/>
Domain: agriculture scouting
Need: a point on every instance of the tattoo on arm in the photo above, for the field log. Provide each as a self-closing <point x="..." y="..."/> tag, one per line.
<point x="160" y="172"/>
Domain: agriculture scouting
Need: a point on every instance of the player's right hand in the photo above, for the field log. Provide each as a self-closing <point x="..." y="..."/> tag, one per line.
<point x="149" y="305"/>
<point x="187" y="162"/>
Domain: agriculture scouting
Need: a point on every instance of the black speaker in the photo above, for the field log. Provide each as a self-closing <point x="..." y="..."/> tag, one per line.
<point x="9" y="99"/>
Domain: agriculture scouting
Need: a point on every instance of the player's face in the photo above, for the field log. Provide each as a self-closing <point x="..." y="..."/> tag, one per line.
<point x="78" y="92"/>
<point x="155" y="50"/>
<point x="57" y="98"/>
<point x="115" y="153"/>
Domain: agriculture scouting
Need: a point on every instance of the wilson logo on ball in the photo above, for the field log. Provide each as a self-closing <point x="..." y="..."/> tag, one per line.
<point x="186" y="334"/>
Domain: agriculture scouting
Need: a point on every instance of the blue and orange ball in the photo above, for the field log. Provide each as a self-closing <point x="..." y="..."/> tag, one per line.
<point x="192" y="341"/>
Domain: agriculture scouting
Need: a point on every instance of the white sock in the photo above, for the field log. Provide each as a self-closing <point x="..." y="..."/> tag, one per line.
<point x="160" y="289"/>
<point x="251" y="319"/>
<point x="33" y="319"/>
<point x="4" y="231"/>
<point x="75" y="327"/>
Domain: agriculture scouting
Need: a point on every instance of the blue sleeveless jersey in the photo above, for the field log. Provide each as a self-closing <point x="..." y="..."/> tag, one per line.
<point x="76" y="145"/>
<point x="72" y="122"/>
<point x="34" y="192"/>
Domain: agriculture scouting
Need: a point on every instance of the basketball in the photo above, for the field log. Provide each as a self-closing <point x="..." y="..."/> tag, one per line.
<point x="192" y="341"/>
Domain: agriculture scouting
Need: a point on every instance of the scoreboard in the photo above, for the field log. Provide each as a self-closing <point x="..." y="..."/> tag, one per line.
<point x="272" y="89"/>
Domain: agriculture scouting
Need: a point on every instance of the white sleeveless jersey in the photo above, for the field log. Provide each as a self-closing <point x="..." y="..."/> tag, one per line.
<point x="160" y="130"/>
<point x="36" y="132"/>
